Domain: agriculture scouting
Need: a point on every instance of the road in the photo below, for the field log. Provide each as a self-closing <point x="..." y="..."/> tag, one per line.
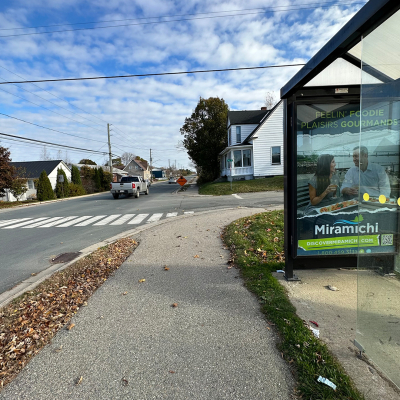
<point x="30" y="237"/>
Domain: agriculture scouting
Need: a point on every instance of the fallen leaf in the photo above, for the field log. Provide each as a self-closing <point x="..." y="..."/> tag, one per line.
<point x="125" y="382"/>
<point x="70" y="326"/>
<point x="171" y="372"/>
<point x="33" y="274"/>
<point x="142" y="280"/>
<point x="125" y="293"/>
<point x="196" y="256"/>
<point x="166" y="268"/>
<point x="175" y="305"/>
<point x="313" y="322"/>
<point x="79" y="380"/>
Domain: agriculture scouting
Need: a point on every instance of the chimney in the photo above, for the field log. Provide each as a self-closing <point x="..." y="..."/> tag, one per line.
<point x="264" y="108"/>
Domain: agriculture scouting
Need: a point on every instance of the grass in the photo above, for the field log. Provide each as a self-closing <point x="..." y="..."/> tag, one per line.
<point x="11" y="204"/>
<point x="253" y="185"/>
<point x="256" y="244"/>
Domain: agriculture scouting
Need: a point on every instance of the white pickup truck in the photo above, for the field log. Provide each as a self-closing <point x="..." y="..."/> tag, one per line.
<point x="129" y="186"/>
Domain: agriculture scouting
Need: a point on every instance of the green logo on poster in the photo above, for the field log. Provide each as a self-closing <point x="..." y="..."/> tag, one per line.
<point x="358" y="219"/>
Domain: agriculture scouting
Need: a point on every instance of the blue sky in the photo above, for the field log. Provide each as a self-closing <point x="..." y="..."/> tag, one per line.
<point x="145" y="113"/>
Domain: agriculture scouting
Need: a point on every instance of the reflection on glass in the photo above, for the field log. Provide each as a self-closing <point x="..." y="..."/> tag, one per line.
<point x="376" y="173"/>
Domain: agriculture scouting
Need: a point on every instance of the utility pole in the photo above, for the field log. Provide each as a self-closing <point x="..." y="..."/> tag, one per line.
<point x="151" y="162"/>
<point x="109" y="149"/>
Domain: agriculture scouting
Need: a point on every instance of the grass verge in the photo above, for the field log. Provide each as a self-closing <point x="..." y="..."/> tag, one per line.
<point x="30" y="321"/>
<point x="256" y="244"/>
<point x="12" y="204"/>
<point x="253" y="185"/>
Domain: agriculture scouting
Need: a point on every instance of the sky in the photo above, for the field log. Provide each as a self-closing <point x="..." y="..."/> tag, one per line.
<point x="122" y="37"/>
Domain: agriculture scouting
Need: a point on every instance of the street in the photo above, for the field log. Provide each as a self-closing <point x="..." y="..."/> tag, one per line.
<point x="32" y="236"/>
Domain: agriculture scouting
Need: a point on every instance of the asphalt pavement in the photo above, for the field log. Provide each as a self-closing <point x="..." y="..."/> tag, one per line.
<point x="213" y="344"/>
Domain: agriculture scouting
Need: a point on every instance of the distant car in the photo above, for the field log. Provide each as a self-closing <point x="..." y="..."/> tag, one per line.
<point x="148" y="181"/>
<point x="172" y="179"/>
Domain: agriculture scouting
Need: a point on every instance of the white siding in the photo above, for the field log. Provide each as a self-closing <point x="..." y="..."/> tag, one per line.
<point x="268" y="135"/>
<point x="245" y="131"/>
<point x="53" y="175"/>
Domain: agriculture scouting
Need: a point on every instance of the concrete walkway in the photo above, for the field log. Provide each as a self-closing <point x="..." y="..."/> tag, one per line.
<point x="214" y="344"/>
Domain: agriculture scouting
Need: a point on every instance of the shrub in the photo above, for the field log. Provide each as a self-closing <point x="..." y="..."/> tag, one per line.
<point x="62" y="188"/>
<point x="44" y="189"/>
<point x="76" y="190"/>
<point x="75" y="175"/>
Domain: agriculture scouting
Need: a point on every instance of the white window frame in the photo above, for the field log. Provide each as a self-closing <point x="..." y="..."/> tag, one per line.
<point x="31" y="184"/>
<point x="249" y="157"/>
<point x="280" y="155"/>
<point x="238" y="134"/>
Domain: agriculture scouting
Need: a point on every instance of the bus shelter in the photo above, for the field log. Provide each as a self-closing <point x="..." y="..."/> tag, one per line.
<point x="342" y="158"/>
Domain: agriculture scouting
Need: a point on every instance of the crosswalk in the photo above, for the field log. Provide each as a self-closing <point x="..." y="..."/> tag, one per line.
<point x="86" y="220"/>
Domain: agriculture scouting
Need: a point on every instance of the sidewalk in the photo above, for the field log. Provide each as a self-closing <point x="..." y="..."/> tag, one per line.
<point x="214" y="344"/>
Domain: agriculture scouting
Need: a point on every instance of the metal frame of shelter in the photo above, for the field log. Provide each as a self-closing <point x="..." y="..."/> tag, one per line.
<point x="373" y="14"/>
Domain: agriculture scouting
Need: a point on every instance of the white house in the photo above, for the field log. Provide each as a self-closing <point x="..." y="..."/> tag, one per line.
<point x="255" y="144"/>
<point x="31" y="170"/>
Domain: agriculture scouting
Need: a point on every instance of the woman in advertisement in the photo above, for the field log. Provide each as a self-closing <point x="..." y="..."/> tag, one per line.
<point x="323" y="185"/>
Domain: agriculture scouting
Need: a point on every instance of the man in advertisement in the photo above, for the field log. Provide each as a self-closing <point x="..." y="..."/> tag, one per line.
<point x="370" y="178"/>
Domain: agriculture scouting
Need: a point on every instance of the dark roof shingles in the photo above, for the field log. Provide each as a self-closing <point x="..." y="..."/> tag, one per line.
<point x="246" y="117"/>
<point x="33" y="169"/>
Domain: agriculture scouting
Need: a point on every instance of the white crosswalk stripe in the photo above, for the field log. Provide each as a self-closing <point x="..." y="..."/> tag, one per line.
<point x="85" y="220"/>
<point x="123" y="219"/>
<point x="74" y="221"/>
<point x="89" y="221"/>
<point x="107" y="220"/>
<point x="40" y="223"/>
<point x="11" y="221"/>
<point x="25" y="223"/>
<point x="154" y="218"/>
<point x="59" y="221"/>
<point x="138" y="219"/>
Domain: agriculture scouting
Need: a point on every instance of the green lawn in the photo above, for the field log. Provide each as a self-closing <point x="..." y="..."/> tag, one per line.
<point x="254" y="185"/>
<point x="256" y="245"/>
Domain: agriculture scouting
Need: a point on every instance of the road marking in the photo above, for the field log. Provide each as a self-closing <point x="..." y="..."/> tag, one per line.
<point x="12" y="221"/>
<point x="25" y="223"/>
<point x="69" y="223"/>
<point x="154" y="218"/>
<point x="63" y="222"/>
<point x="123" y="219"/>
<point x="89" y="221"/>
<point x="138" y="219"/>
<point x="107" y="220"/>
<point x="238" y="197"/>
<point x="60" y="221"/>
<point x="39" y="224"/>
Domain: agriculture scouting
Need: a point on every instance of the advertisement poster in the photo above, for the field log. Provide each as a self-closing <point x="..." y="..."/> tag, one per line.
<point x="347" y="190"/>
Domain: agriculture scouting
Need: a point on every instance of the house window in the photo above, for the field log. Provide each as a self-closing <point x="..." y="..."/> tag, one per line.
<point x="238" y="134"/>
<point x="30" y="184"/>
<point x="246" y="158"/>
<point x="276" y="154"/>
<point x="237" y="158"/>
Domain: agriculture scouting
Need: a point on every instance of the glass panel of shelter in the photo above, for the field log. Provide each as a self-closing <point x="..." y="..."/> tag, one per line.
<point x="377" y="172"/>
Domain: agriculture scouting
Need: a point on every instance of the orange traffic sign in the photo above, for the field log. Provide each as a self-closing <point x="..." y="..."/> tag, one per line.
<point x="181" y="180"/>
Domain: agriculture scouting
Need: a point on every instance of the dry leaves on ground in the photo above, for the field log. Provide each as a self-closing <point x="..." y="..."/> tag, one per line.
<point x="29" y="322"/>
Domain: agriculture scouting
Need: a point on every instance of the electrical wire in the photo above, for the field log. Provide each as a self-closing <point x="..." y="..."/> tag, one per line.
<point x="51" y="144"/>
<point x="50" y="129"/>
<point x="174" y="20"/>
<point x="170" y="16"/>
<point x="80" y="109"/>
<point x="156" y="74"/>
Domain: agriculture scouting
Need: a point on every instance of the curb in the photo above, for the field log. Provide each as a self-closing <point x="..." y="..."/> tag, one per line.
<point x="30" y="283"/>
<point x="40" y="203"/>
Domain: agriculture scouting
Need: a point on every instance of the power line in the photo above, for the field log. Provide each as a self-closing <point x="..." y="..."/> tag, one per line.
<point x="178" y="20"/>
<point x="52" y="144"/>
<point x="45" y="108"/>
<point x="56" y="98"/>
<point x="156" y="74"/>
<point x="163" y="16"/>
<point x="50" y="129"/>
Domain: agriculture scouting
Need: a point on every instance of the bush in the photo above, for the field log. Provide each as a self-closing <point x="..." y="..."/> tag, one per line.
<point x="44" y="189"/>
<point x="62" y="188"/>
<point x="76" y="190"/>
<point x="75" y="175"/>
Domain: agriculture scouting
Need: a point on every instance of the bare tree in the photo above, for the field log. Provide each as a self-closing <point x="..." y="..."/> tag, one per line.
<point x="270" y="99"/>
<point x="45" y="155"/>
<point x="127" y="157"/>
